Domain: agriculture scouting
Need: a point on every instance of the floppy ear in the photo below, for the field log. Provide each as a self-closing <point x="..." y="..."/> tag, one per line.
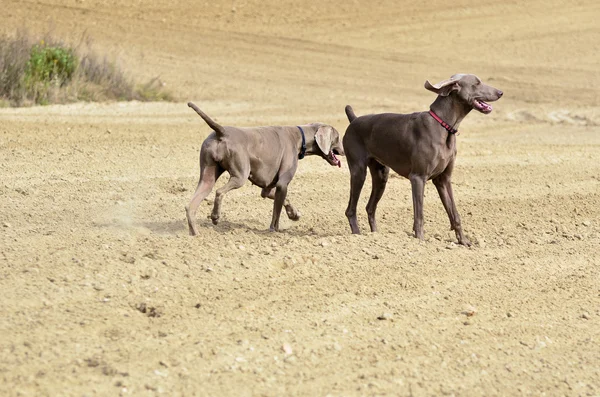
<point x="444" y="88"/>
<point x="323" y="138"/>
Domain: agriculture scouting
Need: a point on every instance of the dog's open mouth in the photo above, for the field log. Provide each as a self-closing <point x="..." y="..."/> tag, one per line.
<point x="482" y="106"/>
<point x="333" y="160"/>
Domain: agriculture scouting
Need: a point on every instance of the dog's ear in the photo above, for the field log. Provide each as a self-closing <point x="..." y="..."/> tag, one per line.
<point x="323" y="138"/>
<point x="444" y="88"/>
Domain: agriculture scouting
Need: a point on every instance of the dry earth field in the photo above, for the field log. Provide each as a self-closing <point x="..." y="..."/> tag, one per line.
<point x="104" y="293"/>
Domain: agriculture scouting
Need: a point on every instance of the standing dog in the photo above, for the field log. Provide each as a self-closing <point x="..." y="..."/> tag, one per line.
<point x="418" y="146"/>
<point x="267" y="156"/>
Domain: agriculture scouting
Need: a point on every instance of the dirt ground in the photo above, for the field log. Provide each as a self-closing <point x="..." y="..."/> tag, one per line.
<point x="104" y="293"/>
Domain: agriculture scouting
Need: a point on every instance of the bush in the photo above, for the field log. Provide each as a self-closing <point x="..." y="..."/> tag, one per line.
<point x="50" y="71"/>
<point x="14" y="54"/>
<point x="48" y="67"/>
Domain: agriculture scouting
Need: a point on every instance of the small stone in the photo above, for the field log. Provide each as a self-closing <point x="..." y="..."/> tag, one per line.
<point x="586" y="223"/>
<point x="287" y="348"/>
<point x="241" y="248"/>
<point x="209" y="269"/>
<point x="6" y="224"/>
<point x="509" y="314"/>
<point x="469" y="311"/>
<point x="585" y="316"/>
<point x="385" y="316"/>
<point x="290" y="359"/>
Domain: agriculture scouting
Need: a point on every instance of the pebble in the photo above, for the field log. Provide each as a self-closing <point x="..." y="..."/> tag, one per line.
<point x="586" y="223"/>
<point x="469" y="311"/>
<point x="290" y="359"/>
<point x="385" y="316"/>
<point x="585" y="316"/>
<point x="287" y="348"/>
<point x="6" y="224"/>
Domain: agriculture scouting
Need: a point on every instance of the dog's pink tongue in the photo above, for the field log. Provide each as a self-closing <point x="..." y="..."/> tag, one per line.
<point x="337" y="161"/>
<point x="485" y="107"/>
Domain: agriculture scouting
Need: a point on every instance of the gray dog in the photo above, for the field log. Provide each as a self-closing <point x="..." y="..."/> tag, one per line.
<point x="267" y="156"/>
<point x="418" y="146"/>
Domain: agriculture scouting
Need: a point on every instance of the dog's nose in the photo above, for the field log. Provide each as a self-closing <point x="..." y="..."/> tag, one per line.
<point x="500" y="93"/>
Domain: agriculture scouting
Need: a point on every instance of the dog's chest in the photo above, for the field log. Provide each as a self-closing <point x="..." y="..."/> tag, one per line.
<point x="442" y="159"/>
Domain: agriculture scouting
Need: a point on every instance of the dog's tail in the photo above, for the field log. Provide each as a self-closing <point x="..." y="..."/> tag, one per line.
<point x="350" y="113"/>
<point x="211" y="123"/>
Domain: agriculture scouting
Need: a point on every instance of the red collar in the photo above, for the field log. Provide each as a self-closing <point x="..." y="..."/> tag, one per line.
<point x="443" y="123"/>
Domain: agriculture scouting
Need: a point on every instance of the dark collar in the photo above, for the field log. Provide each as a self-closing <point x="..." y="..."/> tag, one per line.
<point x="442" y="122"/>
<point x="303" y="150"/>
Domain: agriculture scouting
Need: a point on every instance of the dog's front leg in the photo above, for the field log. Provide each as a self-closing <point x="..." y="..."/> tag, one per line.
<point x="291" y="212"/>
<point x="417" y="183"/>
<point x="280" y="194"/>
<point x="444" y="188"/>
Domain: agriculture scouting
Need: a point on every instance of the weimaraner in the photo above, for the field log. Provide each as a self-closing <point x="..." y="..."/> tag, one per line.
<point x="267" y="156"/>
<point x="419" y="146"/>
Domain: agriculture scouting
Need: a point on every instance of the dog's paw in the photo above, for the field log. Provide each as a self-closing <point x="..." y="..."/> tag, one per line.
<point x="465" y="241"/>
<point x="214" y="219"/>
<point x="293" y="214"/>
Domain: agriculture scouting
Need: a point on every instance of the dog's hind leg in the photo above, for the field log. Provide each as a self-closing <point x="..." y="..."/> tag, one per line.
<point x="235" y="182"/>
<point x="358" y="173"/>
<point x="208" y="176"/>
<point x="379" y="177"/>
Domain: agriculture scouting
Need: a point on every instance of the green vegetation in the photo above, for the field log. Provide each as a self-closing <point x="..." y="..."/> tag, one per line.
<point x="49" y="71"/>
<point x="47" y="67"/>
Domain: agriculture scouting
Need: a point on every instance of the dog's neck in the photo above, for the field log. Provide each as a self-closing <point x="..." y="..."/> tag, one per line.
<point x="450" y="109"/>
<point x="302" y="143"/>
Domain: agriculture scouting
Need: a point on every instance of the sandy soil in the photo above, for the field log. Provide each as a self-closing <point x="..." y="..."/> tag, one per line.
<point x="104" y="293"/>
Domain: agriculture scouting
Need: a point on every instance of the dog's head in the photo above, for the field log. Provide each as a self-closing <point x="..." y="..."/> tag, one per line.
<point x="468" y="89"/>
<point x="327" y="144"/>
